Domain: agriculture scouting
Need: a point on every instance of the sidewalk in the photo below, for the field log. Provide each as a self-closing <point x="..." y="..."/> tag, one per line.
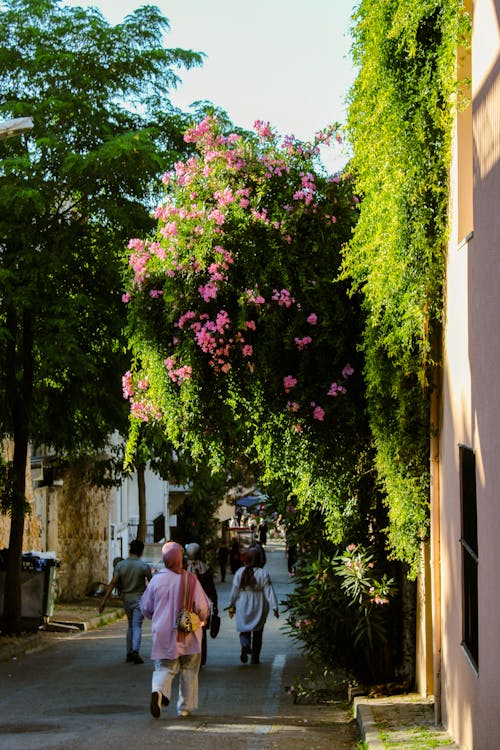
<point x="68" y="620"/>
<point x="399" y="722"/>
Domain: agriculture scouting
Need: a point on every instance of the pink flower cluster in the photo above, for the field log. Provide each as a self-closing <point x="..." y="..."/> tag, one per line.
<point x="302" y="623"/>
<point x="347" y="371"/>
<point x="289" y="382"/>
<point x="144" y="411"/>
<point x="177" y="374"/>
<point x="283" y="297"/>
<point x="336" y="389"/>
<point x="303" y="342"/>
<point x="208" y="291"/>
<point x="307" y="189"/>
<point x="200" y="131"/>
<point x="139" y="261"/>
<point x="141" y="408"/>
<point x="254" y="297"/>
<point x="318" y="412"/>
<point x="263" y="129"/>
<point x="128" y="385"/>
<point x="379" y="600"/>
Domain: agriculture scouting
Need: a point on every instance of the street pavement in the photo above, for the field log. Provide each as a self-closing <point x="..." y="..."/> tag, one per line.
<point x="79" y="694"/>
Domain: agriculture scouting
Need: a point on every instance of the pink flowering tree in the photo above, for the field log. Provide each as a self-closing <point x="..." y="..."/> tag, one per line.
<point x="243" y="342"/>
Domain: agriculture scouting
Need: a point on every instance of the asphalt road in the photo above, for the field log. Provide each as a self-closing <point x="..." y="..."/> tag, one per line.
<point x="79" y="694"/>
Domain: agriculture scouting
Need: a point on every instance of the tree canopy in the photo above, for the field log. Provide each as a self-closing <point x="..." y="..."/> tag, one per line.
<point x="71" y="192"/>
<point x="244" y="344"/>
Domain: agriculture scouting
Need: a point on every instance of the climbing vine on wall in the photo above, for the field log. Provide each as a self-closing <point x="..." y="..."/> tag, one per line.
<point x="400" y="125"/>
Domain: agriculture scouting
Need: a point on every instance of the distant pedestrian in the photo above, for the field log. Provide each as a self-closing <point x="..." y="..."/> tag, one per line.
<point x="235" y="557"/>
<point x="262" y="532"/>
<point x="222" y="558"/>
<point x="252" y="596"/>
<point x="173" y="650"/>
<point x="130" y="577"/>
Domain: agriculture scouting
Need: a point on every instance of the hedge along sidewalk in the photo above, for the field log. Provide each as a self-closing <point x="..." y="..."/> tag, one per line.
<point x="400" y="722"/>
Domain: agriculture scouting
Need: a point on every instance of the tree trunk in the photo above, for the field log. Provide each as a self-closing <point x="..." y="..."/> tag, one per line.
<point x="19" y="382"/>
<point x="141" y="483"/>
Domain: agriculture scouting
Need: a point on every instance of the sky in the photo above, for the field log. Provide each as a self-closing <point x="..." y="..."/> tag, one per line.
<point x="282" y="61"/>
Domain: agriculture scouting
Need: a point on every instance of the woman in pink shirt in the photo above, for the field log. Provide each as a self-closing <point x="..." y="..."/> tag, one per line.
<point x="174" y="651"/>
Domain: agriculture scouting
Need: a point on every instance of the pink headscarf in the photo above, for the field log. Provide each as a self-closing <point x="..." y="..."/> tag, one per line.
<point x="171" y="553"/>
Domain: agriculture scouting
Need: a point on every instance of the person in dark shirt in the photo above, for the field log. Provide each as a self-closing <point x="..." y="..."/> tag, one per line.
<point x="204" y="574"/>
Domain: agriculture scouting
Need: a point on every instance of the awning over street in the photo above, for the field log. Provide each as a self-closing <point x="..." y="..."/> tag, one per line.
<point x="251" y="501"/>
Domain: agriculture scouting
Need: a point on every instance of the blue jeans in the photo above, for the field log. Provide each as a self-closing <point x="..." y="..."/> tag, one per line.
<point x="134" y="630"/>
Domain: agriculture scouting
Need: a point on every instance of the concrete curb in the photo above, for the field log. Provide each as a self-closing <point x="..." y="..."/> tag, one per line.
<point x="92" y="623"/>
<point x="367" y="724"/>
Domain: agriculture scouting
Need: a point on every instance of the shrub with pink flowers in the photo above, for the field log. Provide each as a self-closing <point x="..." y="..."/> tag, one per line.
<point x="342" y="609"/>
<point x="244" y="339"/>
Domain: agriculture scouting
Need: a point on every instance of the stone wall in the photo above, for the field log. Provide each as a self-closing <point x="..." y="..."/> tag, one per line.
<point x="80" y="513"/>
<point x="70" y="518"/>
<point x="33" y="519"/>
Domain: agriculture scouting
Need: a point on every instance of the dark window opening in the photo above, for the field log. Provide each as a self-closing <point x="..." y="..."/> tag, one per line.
<point x="468" y="541"/>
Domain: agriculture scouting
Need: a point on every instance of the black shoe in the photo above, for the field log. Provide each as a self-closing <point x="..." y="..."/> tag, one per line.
<point x="244" y="654"/>
<point x="130" y="656"/>
<point x="164" y="700"/>
<point x="255" y="660"/>
<point x="155" y="704"/>
<point x="135" y="658"/>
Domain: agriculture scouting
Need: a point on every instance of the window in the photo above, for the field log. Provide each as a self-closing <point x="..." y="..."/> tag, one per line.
<point x="468" y="541"/>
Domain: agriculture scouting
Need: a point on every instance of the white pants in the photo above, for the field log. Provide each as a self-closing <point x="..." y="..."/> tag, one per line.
<point x="164" y="673"/>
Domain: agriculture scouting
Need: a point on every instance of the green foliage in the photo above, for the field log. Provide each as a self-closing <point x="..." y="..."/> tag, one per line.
<point x="245" y="348"/>
<point x="196" y="517"/>
<point x="71" y="192"/>
<point x="339" y="609"/>
<point x="400" y="119"/>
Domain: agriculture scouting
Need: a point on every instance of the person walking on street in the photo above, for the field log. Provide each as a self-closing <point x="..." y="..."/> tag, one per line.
<point x="223" y="557"/>
<point x="131" y="577"/>
<point x="174" y="650"/>
<point x="205" y="576"/>
<point x="234" y="556"/>
<point x="262" y="532"/>
<point x="252" y="596"/>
